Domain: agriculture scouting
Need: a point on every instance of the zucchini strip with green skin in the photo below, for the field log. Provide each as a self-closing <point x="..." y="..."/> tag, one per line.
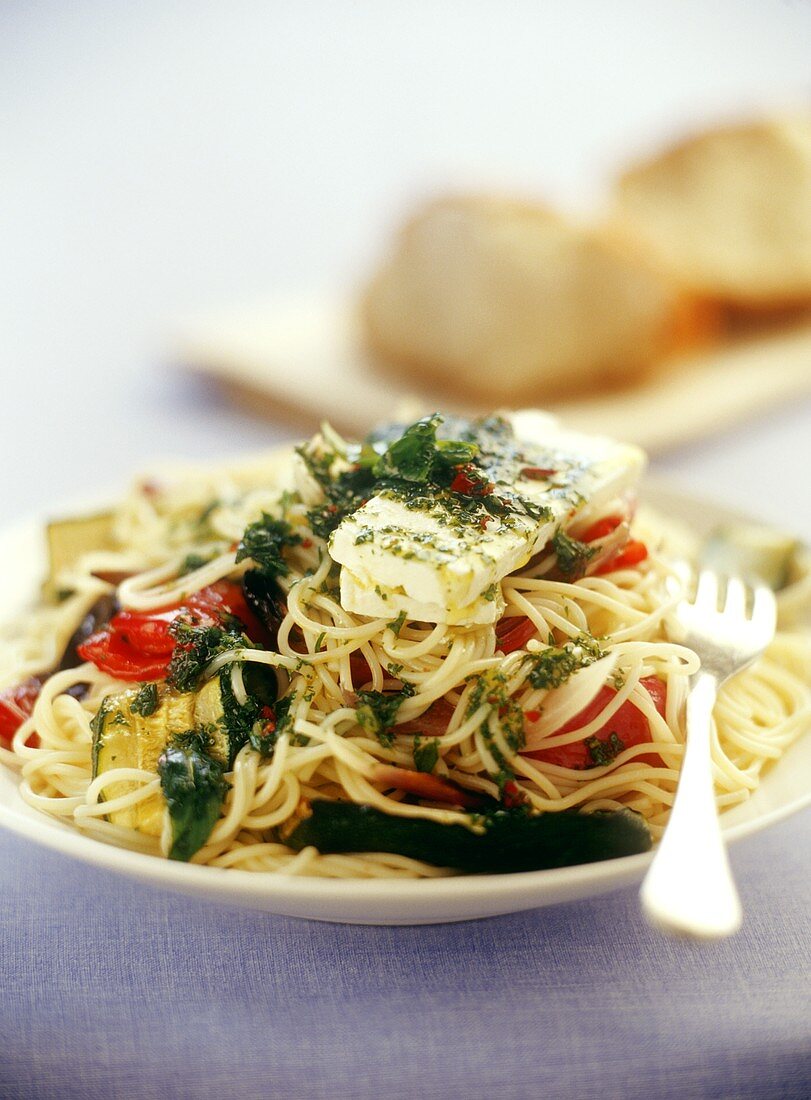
<point x="512" y="840"/>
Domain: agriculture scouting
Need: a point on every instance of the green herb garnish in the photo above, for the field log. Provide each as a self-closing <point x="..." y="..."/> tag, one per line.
<point x="194" y="787"/>
<point x="603" y="752"/>
<point x="146" y="702"/>
<point x="268" y="729"/>
<point x="264" y="541"/>
<point x="377" y="711"/>
<point x="572" y="555"/>
<point x="426" y="754"/>
<point x="195" y="647"/>
<point x="555" y="665"/>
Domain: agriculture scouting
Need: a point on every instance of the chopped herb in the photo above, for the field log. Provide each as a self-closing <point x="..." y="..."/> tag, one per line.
<point x="396" y="625"/>
<point x="603" y="752"/>
<point x="377" y="711"/>
<point x="491" y="591"/>
<point x="193" y="561"/>
<point x="195" y="647"/>
<point x="555" y="665"/>
<point x="426" y="754"/>
<point x="194" y="787"/>
<point x="146" y="702"/>
<point x="202" y="524"/>
<point x="418" y="457"/>
<point x="238" y="719"/>
<point x="264" y="541"/>
<point x="319" y="641"/>
<point x="491" y="688"/>
<point x="275" y="720"/>
<point x="465" y="480"/>
<point x="572" y="555"/>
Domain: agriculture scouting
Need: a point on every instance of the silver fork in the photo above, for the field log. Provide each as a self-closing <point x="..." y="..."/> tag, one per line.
<point x="689" y="886"/>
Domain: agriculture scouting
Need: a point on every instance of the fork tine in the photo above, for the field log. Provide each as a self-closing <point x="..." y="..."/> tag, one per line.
<point x="764" y="610"/>
<point x="737" y="594"/>
<point x="707" y="590"/>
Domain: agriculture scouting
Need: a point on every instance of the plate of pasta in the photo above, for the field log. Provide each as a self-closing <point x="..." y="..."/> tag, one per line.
<point x="431" y="675"/>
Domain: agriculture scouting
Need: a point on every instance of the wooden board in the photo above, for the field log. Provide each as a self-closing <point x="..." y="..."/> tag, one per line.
<point x="303" y="359"/>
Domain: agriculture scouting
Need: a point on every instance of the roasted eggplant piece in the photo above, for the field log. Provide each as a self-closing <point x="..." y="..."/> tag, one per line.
<point x="266" y="599"/>
<point x="97" y="617"/>
<point x="512" y="840"/>
<point x="69" y="539"/>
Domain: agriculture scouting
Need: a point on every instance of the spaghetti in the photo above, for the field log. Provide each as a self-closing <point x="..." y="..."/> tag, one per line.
<point x="573" y="699"/>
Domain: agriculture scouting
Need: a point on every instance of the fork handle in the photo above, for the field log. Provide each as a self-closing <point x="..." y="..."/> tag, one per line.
<point x="689" y="887"/>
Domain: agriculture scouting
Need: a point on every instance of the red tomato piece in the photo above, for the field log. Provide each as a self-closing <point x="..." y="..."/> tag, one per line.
<point x="227" y="597"/>
<point x="629" y="725"/>
<point x="514" y="633"/>
<point x="17" y="704"/>
<point x="631" y="554"/>
<point x="111" y="653"/>
<point x="601" y="528"/>
<point x="146" y="631"/>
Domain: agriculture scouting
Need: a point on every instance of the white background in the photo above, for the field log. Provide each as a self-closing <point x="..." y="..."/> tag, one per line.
<point x="162" y="159"/>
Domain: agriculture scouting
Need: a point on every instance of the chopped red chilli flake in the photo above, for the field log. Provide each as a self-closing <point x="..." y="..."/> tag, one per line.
<point x="537" y="473"/>
<point x="469" y="483"/>
<point x="532" y="715"/>
<point x="512" y="795"/>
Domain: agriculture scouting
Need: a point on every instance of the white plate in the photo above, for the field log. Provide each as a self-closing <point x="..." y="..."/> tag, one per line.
<point x="785" y="790"/>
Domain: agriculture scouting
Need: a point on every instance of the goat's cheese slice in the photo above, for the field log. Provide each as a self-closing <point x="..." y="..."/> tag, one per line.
<point x="436" y="566"/>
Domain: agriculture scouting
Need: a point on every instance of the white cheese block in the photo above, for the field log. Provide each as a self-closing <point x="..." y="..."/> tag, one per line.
<point x="397" y="558"/>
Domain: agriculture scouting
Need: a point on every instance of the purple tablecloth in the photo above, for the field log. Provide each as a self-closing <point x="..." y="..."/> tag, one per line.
<point x="114" y="990"/>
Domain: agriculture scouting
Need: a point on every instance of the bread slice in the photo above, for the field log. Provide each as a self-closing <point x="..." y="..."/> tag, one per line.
<point x="728" y="213"/>
<point x="499" y="300"/>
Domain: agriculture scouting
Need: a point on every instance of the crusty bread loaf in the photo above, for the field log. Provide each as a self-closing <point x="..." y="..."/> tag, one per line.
<point x="500" y="300"/>
<point x="729" y="212"/>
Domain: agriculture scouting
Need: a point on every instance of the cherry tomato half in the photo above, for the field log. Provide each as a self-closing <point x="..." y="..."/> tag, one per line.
<point x="629" y="725"/>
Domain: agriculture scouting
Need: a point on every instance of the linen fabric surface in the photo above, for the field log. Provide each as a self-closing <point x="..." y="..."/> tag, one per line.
<point x="112" y="989"/>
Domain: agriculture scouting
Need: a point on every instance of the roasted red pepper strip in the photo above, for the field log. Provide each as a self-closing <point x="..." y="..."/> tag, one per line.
<point x="146" y="631"/>
<point x="16" y="705"/>
<point x="514" y="633"/>
<point x="228" y="597"/>
<point x="429" y="787"/>
<point x="138" y="645"/>
<point x="601" y="528"/>
<point x="632" y="553"/>
<point x="629" y="725"/>
<point x="111" y="653"/>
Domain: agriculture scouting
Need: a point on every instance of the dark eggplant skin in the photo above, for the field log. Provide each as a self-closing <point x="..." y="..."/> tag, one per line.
<point x="97" y="617"/>
<point x="513" y="840"/>
<point x="265" y="599"/>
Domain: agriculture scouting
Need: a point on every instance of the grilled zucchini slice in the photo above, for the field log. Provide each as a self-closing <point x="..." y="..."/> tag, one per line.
<point x="133" y="727"/>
